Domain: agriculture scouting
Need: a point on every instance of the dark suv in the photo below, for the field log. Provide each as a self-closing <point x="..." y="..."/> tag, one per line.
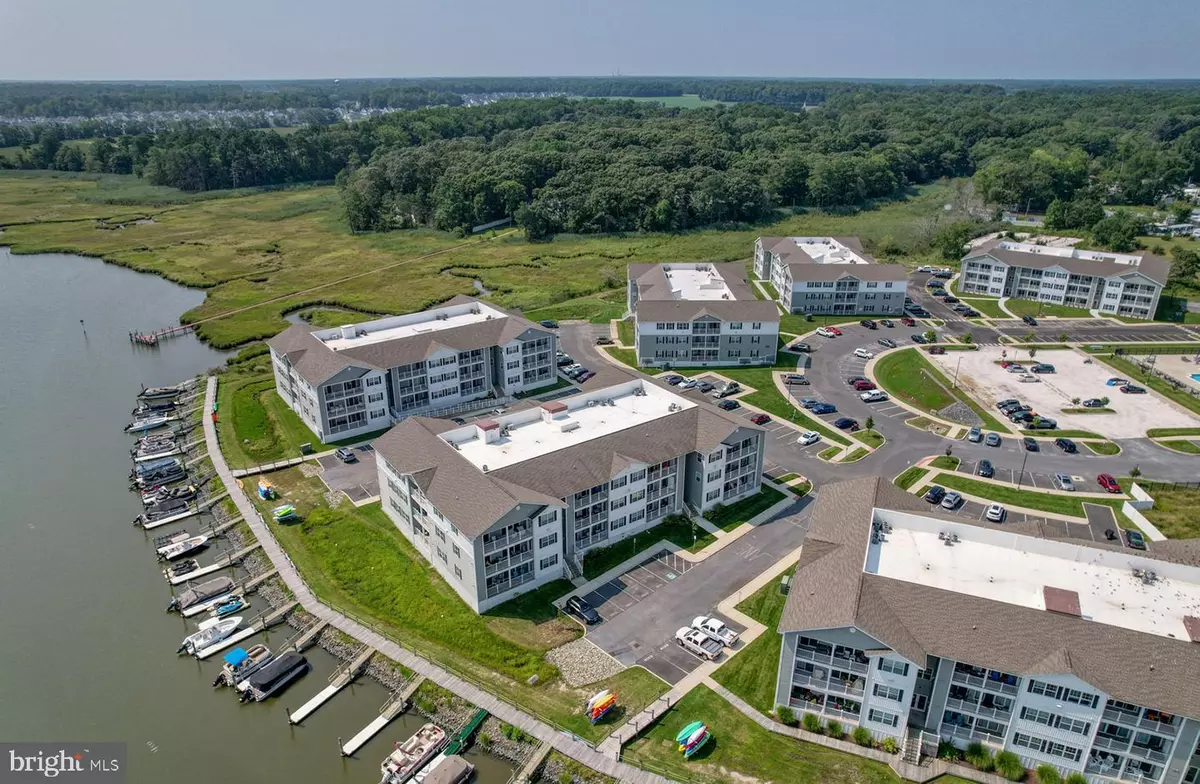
<point x="869" y="324"/>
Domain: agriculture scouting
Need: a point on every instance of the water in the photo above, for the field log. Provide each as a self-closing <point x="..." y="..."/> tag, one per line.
<point x="87" y="651"/>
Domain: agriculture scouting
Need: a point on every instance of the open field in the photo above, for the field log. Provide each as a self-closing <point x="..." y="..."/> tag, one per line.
<point x="1027" y="307"/>
<point x="752" y="674"/>
<point x="247" y="248"/>
<point x="1176" y="510"/>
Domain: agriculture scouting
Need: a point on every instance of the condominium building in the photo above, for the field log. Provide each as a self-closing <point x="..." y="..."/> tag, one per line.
<point x="503" y="505"/>
<point x="359" y="378"/>
<point x="1073" y="653"/>
<point x="700" y="314"/>
<point x="829" y="275"/>
<point x="1120" y="284"/>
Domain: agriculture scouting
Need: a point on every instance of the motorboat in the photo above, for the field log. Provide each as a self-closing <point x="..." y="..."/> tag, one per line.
<point x="145" y="407"/>
<point x="149" y="466"/>
<point x="212" y="631"/>
<point x="241" y="663"/>
<point x="153" y="440"/>
<point x="272" y="678"/>
<point x="181" y="568"/>
<point x="160" y="476"/>
<point x="229" y="606"/>
<point x="158" y="516"/>
<point x="206" y="592"/>
<point x="169" y="450"/>
<point x="411" y="755"/>
<point x="177" y="550"/>
<point x="163" y="496"/>
<point x="446" y="769"/>
<point x="149" y="423"/>
<point x="151" y="393"/>
<point x="166" y="539"/>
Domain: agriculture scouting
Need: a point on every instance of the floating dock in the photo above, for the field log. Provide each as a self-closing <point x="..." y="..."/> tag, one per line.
<point x="217" y="530"/>
<point x="206" y="605"/>
<point x="389" y="711"/>
<point x="307" y="637"/>
<point x="340" y="679"/>
<point x="525" y="775"/>
<point x="225" y="562"/>
<point x="254" y="582"/>
<point x="256" y="626"/>
<point x="157" y="455"/>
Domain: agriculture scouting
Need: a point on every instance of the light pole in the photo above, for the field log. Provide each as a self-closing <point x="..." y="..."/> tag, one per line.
<point x="1021" y="478"/>
<point x="957" y="365"/>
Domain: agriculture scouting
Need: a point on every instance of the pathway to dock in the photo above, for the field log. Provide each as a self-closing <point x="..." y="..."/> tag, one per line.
<point x="395" y="705"/>
<point x="567" y="745"/>
<point x="340" y="679"/>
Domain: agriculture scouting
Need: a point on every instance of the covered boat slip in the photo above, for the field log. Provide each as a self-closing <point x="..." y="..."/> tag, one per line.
<point x="274" y="676"/>
<point x="199" y="598"/>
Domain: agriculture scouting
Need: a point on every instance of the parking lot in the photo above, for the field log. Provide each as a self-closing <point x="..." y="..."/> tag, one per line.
<point x="1093" y="331"/>
<point x="979" y="373"/>
<point x="358" y="480"/>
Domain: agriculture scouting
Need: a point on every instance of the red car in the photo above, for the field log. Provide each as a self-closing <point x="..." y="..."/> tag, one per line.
<point x="835" y="331"/>
<point x="936" y="350"/>
<point x="1108" y="483"/>
<point x="906" y="321"/>
<point x="760" y="419"/>
<point x="863" y="386"/>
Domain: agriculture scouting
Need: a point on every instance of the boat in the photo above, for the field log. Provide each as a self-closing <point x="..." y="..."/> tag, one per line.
<point x="161" y="476"/>
<point x="149" y="423"/>
<point x="150" y="393"/>
<point x="169" y="450"/>
<point x="241" y="663"/>
<point x="692" y="737"/>
<point x="150" y="466"/>
<point x="411" y="755"/>
<point x="599" y="706"/>
<point x="164" y="495"/>
<point x="145" y="407"/>
<point x="272" y="678"/>
<point x="153" y="440"/>
<point x="177" y="570"/>
<point x="166" y="539"/>
<point x="204" y="593"/>
<point x="697" y="745"/>
<point x="177" y="550"/>
<point x="159" y="516"/>
<point x="445" y="769"/>
<point x="229" y="606"/>
<point x="211" y="632"/>
<point x="687" y="731"/>
<point x="284" y="513"/>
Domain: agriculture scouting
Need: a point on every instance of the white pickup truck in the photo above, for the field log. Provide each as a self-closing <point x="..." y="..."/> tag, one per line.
<point x="698" y="643"/>
<point x="714" y="628"/>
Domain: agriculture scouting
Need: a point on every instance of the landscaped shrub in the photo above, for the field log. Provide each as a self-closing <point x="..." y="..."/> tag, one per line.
<point x="947" y="751"/>
<point x="1048" y="774"/>
<point x="890" y="745"/>
<point x="811" y="722"/>
<point x="1077" y="778"/>
<point x="786" y="715"/>
<point x="862" y="736"/>
<point x="979" y="756"/>
<point x="834" y="729"/>
<point x="1009" y="766"/>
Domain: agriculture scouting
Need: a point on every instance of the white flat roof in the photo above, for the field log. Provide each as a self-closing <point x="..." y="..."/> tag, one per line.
<point x="827" y="250"/>
<point x="1071" y="253"/>
<point x="535" y="432"/>
<point x="406" y="326"/>
<point x="696" y="283"/>
<point x="992" y="563"/>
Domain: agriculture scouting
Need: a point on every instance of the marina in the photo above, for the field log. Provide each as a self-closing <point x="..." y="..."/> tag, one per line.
<point x="259" y="625"/>
<point x="224" y="562"/>
<point x="338" y="681"/>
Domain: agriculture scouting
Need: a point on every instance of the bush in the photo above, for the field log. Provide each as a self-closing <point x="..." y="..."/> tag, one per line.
<point x="1048" y="774"/>
<point x="1135" y="472"/>
<point x="862" y="736"/>
<point x="833" y="729"/>
<point x="890" y="745"/>
<point x="947" y="751"/>
<point x="811" y="722"/>
<point x="979" y="756"/>
<point x="1077" y="778"/>
<point x="786" y="715"/>
<point x="1009" y="766"/>
<point x="565" y="778"/>
<point x="484" y="739"/>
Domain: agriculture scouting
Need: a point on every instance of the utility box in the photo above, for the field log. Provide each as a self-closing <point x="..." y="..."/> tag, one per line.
<point x="306" y="449"/>
<point x="785" y="584"/>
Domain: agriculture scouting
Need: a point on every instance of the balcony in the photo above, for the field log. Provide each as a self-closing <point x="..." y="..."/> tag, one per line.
<point x="800" y="678"/>
<point x="813" y="655"/>
<point x="853" y="665"/>
<point x="969" y="734"/>
<point x="662" y="492"/>
<point x="838" y="713"/>
<point x="1130" y="720"/>
<point x="1143" y="752"/>
<point x="1112" y="744"/>
<point x="508" y="538"/>
<point x="838" y="686"/>
<point x="999" y="687"/>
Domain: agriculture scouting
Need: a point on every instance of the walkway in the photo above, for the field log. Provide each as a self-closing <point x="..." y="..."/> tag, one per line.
<point x="564" y="744"/>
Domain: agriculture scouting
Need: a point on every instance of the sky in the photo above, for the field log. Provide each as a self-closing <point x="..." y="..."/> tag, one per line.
<point x="289" y="39"/>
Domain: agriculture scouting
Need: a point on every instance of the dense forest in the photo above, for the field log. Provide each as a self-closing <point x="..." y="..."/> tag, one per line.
<point x="560" y="164"/>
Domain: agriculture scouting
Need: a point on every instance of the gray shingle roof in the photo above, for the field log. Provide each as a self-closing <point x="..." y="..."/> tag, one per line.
<point x="1154" y="267"/>
<point x="831" y="590"/>
<point x="311" y="358"/>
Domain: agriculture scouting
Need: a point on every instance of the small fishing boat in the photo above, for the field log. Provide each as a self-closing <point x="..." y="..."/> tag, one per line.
<point x="181" y="568"/>
<point x="177" y="550"/>
<point x="241" y="663"/>
<point x="157" y="517"/>
<point x="411" y="755"/>
<point x="153" y="440"/>
<point x="211" y="632"/>
<point x="208" y="593"/>
<point x="150" y="393"/>
<point x="272" y="678"/>
<point x="229" y="606"/>
<point x="149" y="423"/>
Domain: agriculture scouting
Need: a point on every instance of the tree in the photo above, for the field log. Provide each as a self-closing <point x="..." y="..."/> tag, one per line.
<point x="1118" y="232"/>
<point x="1184" y="267"/>
<point x="1032" y="352"/>
<point x="951" y="240"/>
<point x="968" y="338"/>
<point x="1181" y="212"/>
<point x="930" y="336"/>
<point x="870" y="423"/>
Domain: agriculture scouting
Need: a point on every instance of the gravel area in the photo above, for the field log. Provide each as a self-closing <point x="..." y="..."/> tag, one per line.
<point x="960" y="412"/>
<point x="559" y="770"/>
<point x="500" y="745"/>
<point x="441" y="707"/>
<point x="310" y="468"/>
<point x="582" y="662"/>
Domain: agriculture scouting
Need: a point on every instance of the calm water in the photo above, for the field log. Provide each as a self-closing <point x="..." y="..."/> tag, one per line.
<point x="87" y="651"/>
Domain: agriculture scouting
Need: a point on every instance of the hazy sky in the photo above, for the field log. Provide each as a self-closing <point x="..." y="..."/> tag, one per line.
<point x="257" y="39"/>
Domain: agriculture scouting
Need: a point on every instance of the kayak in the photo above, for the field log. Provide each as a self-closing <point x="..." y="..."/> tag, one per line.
<point x="597" y="699"/>
<point x="687" y="731"/>
<point x="697" y="746"/>
<point x="694" y="738"/>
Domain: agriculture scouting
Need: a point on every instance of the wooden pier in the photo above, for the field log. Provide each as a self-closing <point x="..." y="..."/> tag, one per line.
<point x="307" y="637"/>
<point x="390" y="710"/>
<point x="152" y="338"/>
<point x="340" y="679"/>
<point x="259" y="624"/>
<point x="254" y="582"/>
<point x="217" y="530"/>
<point x="207" y="502"/>
<point x="525" y="774"/>
<point x="224" y="562"/>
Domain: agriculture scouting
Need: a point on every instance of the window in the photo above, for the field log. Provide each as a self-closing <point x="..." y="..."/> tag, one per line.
<point x="715" y="456"/>
<point x="441" y="554"/>
<point x="757" y="325"/>
<point x="546" y="541"/>
<point x="893" y="666"/>
<point x="455" y="550"/>
<point x="458" y="573"/>
<point x="512" y="365"/>
<point x="546" y="563"/>
<point x="883" y="717"/>
<point x="737" y="325"/>
<point x="618" y="483"/>
<point x="378" y="414"/>
<point x="514" y="380"/>
<point x="712" y="495"/>
<point x="637" y="517"/>
<point x="1048" y="747"/>
<point x="617" y="503"/>
<point x="888" y="692"/>
<point x="618" y="523"/>
<point x="638" y="475"/>
<point x="637" y="495"/>
<point x="924" y="674"/>
<point x="920" y="702"/>
<point x="375" y="397"/>
<point x="374" y="381"/>
<point x="440" y="533"/>
<point x="713" y="476"/>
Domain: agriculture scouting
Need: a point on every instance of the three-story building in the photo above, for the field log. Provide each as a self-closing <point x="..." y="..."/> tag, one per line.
<point x="830" y="276"/>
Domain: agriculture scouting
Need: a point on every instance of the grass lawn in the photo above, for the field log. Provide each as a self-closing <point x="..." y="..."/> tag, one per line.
<point x="910" y="477"/>
<point x="920" y="423"/>
<point x="1130" y="370"/>
<point x="872" y="438"/>
<point x="1169" y="348"/>
<point x="771" y="290"/>
<point x="1187" y="447"/>
<point x="1163" y="432"/>
<point x="826" y="454"/>
<point x="797" y="323"/>
<point x="1045" y="502"/>
<point x="356" y="559"/>
<point x="626" y="332"/>
<point x="1102" y="447"/>
<point x="598" y="309"/>
<point x="1027" y="307"/>
<point x="783" y="480"/>
<point x="1061" y="434"/>
<point x="740" y="749"/>
<point x="1176" y="511"/>
<point x="752" y="673"/>
<point x="1088" y="411"/>
<point x="857" y="454"/>
<point x="730" y="517"/>
<point x="988" y="307"/>
<point x="676" y="528"/>
<point x="626" y="355"/>
<point x="908" y="375"/>
<point x="948" y="462"/>
<point x="559" y="383"/>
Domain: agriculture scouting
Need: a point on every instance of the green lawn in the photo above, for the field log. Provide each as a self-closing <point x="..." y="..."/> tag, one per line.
<point x="1088" y="411"/>
<point x="989" y="307"/>
<point x="948" y="462"/>
<point x="559" y="383"/>
<point x="1046" y="502"/>
<point x="872" y="438"/>
<point x="797" y="323"/>
<point x="730" y="517"/>
<point x="1176" y="511"/>
<point x="626" y="355"/>
<point x="1027" y="307"/>
<point x="920" y="423"/>
<point x="675" y="528"/>
<point x="741" y="750"/>
<point x="1163" y="432"/>
<point x="625" y="332"/>
<point x="910" y="477"/>
<point x="1187" y="447"/>
<point x="1061" y="434"/>
<point x="783" y="480"/>
<point x="1172" y="348"/>
<point x="856" y="454"/>
<point x="908" y="375"/>
<point x="772" y="292"/>
<point x="598" y="309"/>
<point x="1130" y="370"/>
<point x="356" y="559"/>
<point x="826" y="454"/>
<point x="1102" y="447"/>
<point x="752" y="673"/>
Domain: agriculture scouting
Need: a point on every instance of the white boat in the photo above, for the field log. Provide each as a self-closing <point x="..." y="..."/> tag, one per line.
<point x="186" y="547"/>
<point x="211" y="631"/>
<point x="198" y="598"/>
<point x="153" y="519"/>
<point x="166" y="450"/>
<point x="149" y="423"/>
<point x="411" y="755"/>
<point x="152" y="393"/>
<point x="241" y="663"/>
<point x="445" y="769"/>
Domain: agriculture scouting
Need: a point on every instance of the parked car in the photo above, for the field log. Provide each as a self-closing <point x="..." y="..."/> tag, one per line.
<point x="1030" y="320"/>
<point x="564" y="360"/>
<point x="937" y="350"/>
<point x="1042" y="367"/>
<point x="688" y="383"/>
<point x="950" y="299"/>
<point x="975" y="435"/>
<point x="673" y="379"/>
<point x="935" y="495"/>
<point x="760" y="419"/>
<point x="808" y="437"/>
<point x="1066" y="445"/>
<point x="887" y="342"/>
<point x="971" y="313"/>
<point x="1093" y="402"/>
<point x="887" y="323"/>
<point x="799" y="346"/>
<point x="1020" y="416"/>
<point x="795" y="379"/>
<point x="704" y="387"/>
<point x="809" y="402"/>
<point x="346" y="455"/>
<point x="549" y="324"/>
<point x="585" y="375"/>
<point x="934" y="283"/>
<point x="1135" y="540"/>
<point x="1029" y="378"/>
<point x="578" y="607"/>
<point x="916" y="338"/>
<point x="906" y="321"/>
<point x="985" y="469"/>
<point x="863" y="386"/>
<point x="835" y="331"/>
<point x="846" y="423"/>
<point x="1030" y="444"/>
<point x="728" y="405"/>
<point x="1133" y="389"/>
<point x="862" y="353"/>
<point x="852" y="380"/>
<point x="869" y="324"/>
<point x="824" y="408"/>
<point x="604" y="341"/>
<point x="1043" y="423"/>
<point x="1064" y="482"/>
<point x="1012" y="401"/>
<point x="458" y="420"/>
<point x="995" y="513"/>
<point x="993" y="439"/>
<point x="951" y="501"/>
<point x="1116" y="382"/>
<point x="1108" y="483"/>
<point x="873" y="396"/>
<point x="960" y="308"/>
<point x="1015" y="368"/>
<point x="825" y="332"/>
